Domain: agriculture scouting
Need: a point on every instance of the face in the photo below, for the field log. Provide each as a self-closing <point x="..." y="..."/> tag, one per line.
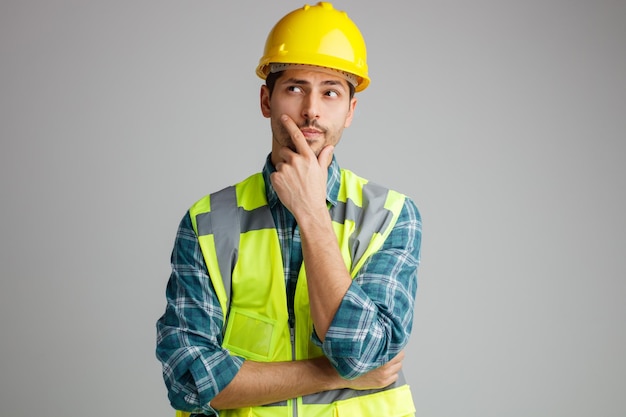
<point x="318" y="102"/>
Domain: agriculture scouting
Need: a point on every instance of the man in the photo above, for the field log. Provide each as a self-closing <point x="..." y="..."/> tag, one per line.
<point x="292" y="292"/>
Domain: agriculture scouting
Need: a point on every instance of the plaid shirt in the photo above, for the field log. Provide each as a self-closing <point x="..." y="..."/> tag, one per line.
<point x="371" y="326"/>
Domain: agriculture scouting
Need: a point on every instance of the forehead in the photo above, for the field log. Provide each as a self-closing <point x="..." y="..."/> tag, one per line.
<point x="313" y="76"/>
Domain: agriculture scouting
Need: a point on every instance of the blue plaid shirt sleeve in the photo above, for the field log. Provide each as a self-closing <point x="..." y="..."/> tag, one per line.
<point x="189" y="334"/>
<point x="374" y="320"/>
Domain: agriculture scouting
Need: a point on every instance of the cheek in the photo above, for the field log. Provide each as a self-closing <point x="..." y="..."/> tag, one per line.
<point x="278" y="130"/>
<point x="278" y="110"/>
<point x="344" y="121"/>
<point x="285" y="104"/>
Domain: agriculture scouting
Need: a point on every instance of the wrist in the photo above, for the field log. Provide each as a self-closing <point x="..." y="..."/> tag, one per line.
<point x="311" y="216"/>
<point x="330" y="378"/>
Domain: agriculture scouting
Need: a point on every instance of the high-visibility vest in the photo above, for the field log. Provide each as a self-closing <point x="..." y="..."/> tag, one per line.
<point x="240" y="245"/>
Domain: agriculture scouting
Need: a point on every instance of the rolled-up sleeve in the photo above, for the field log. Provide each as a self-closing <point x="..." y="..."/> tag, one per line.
<point x="374" y="320"/>
<point x="189" y="334"/>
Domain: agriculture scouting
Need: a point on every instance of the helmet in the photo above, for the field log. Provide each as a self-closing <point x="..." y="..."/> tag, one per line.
<point x="317" y="35"/>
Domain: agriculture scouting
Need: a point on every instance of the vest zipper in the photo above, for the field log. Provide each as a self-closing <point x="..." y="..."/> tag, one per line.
<point x="292" y="336"/>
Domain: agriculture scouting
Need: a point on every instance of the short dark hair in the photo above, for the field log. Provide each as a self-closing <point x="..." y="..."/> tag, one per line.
<point x="270" y="82"/>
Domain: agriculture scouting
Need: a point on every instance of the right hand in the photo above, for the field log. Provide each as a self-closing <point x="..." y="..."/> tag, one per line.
<point x="379" y="377"/>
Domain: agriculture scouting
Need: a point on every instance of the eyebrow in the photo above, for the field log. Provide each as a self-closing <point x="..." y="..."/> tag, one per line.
<point x="300" y="81"/>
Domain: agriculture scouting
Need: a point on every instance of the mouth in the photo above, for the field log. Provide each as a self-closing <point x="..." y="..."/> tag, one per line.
<point x="311" y="133"/>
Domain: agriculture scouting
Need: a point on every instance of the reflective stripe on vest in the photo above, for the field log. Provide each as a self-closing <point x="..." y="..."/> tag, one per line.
<point x="233" y="221"/>
<point x="328" y="397"/>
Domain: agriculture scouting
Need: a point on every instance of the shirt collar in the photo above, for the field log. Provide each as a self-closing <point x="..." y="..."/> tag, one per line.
<point x="332" y="183"/>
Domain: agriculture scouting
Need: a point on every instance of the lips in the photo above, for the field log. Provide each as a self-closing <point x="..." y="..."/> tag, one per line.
<point x="311" y="133"/>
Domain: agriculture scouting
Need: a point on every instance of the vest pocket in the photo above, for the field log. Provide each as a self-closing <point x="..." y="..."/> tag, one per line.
<point x="397" y="402"/>
<point x="250" y="335"/>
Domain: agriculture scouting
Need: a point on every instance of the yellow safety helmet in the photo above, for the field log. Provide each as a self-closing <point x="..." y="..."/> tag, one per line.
<point x="317" y="35"/>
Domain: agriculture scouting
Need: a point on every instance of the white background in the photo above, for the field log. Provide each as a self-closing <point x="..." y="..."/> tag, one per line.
<point x="504" y="120"/>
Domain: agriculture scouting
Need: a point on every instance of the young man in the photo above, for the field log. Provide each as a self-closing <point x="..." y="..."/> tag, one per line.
<point x="292" y="292"/>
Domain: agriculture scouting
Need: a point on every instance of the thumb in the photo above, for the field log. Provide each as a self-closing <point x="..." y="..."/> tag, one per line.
<point x="326" y="156"/>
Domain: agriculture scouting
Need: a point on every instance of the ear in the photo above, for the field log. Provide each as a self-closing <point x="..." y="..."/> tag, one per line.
<point x="265" y="101"/>
<point x="350" y="114"/>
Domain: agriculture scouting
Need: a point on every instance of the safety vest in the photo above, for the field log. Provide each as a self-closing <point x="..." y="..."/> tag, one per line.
<point x="240" y="245"/>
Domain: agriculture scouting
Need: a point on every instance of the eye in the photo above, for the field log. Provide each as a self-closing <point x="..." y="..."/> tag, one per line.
<point x="332" y="93"/>
<point x="294" y="89"/>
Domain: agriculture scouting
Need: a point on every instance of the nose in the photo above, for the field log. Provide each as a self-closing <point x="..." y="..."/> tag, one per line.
<point x="311" y="107"/>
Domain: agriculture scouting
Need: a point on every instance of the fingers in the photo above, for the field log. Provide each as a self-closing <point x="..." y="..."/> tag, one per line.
<point x="296" y="135"/>
<point x="399" y="357"/>
<point x="326" y="156"/>
<point x="380" y="377"/>
<point x="394" y="365"/>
